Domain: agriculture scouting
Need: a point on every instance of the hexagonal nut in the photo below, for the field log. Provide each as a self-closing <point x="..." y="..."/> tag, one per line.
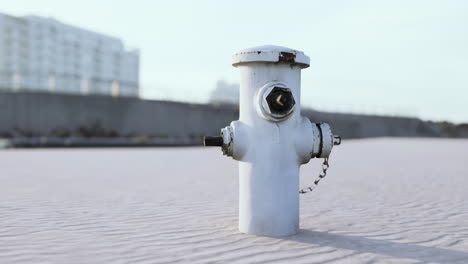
<point x="279" y="102"/>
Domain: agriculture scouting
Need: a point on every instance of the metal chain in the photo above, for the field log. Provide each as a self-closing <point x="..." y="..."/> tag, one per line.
<point x="322" y="175"/>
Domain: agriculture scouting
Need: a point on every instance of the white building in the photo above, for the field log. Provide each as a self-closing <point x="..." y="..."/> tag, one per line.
<point x="39" y="53"/>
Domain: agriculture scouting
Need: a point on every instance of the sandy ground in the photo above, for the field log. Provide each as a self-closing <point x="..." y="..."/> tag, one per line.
<point x="384" y="201"/>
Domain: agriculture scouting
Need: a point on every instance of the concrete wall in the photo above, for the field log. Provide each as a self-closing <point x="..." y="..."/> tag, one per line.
<point x="49" y="114"/>
<point x="43" y="114"/>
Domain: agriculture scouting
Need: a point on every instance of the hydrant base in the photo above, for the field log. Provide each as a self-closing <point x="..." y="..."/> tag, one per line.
<point x="268" y="234"/>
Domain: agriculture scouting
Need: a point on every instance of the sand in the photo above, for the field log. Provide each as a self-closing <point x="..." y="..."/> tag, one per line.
<point x="383" y="201"/>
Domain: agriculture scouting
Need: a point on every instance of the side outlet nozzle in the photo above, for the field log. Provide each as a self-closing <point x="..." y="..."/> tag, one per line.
<point x="216" y="141"/>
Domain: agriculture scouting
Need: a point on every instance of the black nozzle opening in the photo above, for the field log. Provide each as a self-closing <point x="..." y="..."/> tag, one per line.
<point x="213" y="141"/>
<point x="280" y="100"/>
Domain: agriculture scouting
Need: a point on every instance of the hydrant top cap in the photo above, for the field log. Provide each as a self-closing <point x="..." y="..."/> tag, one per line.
<point x="270" y="53"/>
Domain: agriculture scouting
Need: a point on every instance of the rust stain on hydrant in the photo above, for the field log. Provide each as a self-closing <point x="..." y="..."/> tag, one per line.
<point x="287" y="57"/>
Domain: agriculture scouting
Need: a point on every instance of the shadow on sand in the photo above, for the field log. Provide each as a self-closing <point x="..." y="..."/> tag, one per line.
<point x="381" y="247"/>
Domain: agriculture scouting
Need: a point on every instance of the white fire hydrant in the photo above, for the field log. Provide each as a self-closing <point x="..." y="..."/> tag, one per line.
<point x="271" y="139"/>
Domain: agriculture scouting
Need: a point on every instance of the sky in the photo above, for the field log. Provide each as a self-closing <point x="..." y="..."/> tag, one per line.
<point x="392" y="57"/>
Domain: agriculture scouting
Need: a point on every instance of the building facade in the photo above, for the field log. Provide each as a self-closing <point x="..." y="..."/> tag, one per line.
<point x="43" y="54"/>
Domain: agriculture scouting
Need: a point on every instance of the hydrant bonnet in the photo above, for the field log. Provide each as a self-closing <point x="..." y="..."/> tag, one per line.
<point x="270" y="53"/>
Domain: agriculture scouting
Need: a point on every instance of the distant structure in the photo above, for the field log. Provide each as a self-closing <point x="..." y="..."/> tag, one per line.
<point x="225" y="93"/>
<point x="43" y="54"/>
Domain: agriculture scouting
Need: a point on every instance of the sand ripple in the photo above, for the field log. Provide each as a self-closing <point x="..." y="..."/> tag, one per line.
<point x="384" y="201"/>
